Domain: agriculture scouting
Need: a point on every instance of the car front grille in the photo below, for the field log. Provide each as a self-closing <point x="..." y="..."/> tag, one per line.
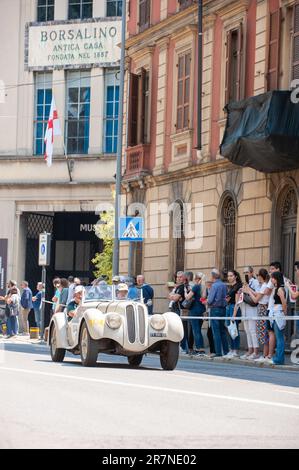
<point x="136" y="324"/>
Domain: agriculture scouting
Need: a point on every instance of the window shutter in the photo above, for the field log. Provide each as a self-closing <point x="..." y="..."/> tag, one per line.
<point x="295" y="73"/>
<point x="144" y="14"/>
<point x="273" y="50"/>
<point x="238" y="84"/>
<point x="228" y="66"/>
<point x="143" y="97"/>
<point x="133" y="110"/>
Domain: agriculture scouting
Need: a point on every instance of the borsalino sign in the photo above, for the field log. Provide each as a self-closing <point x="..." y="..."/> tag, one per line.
<point x="71" y="45"/>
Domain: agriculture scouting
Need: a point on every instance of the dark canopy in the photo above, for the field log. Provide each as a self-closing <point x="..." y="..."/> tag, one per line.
<point x="262" y="132"/>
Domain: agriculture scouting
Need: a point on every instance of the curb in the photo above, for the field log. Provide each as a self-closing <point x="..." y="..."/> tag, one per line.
<point x="240" y="362"/>
<point x="219" y="360"/>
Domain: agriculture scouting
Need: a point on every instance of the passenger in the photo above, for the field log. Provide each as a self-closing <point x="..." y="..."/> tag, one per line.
<point x="74" y="304"/>
<point x="122" y="291"/>
<point x="115" y="280"/>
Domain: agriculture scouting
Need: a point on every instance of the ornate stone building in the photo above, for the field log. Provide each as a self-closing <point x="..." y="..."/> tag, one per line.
<point x="249" y="217"/>
<point x="56" y="47"/>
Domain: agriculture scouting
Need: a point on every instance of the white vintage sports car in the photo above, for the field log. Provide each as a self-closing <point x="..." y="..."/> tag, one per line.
<point x="105" y="324"/>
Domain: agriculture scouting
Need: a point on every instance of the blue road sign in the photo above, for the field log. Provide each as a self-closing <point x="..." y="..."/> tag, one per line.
<point x="131" y="229"/>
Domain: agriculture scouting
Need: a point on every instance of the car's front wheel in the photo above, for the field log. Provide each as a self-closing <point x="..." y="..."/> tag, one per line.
<point x="57" y="354"/>
<point x="135" y="361"/>
<point x="169" y="355"/>
<point x="88" y="348"/>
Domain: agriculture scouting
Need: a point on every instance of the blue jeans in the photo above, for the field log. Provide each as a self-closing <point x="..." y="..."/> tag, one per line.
<point x="12" y="325"/>
<point x="234" y="343"/>
<point x="37" y="316"/>
<point x="279" y="335"/>
<point x="297" y="324"/>
<point x="196" y="328"/>
<point x="219" y="331"/>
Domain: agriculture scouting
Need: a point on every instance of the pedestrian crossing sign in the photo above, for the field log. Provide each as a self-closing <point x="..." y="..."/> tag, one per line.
<point x="131" y="229"/>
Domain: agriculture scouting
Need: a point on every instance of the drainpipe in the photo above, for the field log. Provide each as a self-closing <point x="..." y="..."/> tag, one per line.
<point x="199" y="85"/>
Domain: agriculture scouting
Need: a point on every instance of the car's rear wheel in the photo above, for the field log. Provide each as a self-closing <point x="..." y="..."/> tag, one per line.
<point x="169" y="355"/>
<point x="57" y="354"/>
<point x="89" y="349"/>
<point x="135" y="361"/>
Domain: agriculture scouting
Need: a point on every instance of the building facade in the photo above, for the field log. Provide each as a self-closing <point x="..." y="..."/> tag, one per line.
<point x="249" y="218"/>
<point x="68" y="49"/>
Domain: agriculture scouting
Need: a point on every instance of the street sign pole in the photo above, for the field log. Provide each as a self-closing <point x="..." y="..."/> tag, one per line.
<point x="44" y="279"/>
<point x="115" y="266"/>
<point x="44" y="257"/>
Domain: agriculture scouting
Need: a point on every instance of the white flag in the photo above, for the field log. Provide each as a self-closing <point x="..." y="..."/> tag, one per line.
<point x="53" y="128"/>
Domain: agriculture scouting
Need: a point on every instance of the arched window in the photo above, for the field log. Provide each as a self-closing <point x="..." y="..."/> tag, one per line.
<point x="179" y="236"/>
<point x="228" y="222"/>
<point x="288" y="215"/>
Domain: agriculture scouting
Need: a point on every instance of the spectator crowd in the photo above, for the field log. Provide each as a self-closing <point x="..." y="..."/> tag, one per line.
<point x="261" y="300"/>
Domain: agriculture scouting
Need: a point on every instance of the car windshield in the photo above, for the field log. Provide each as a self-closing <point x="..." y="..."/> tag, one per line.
<point x="98" y="292"/>
<point x="106" y="292"/>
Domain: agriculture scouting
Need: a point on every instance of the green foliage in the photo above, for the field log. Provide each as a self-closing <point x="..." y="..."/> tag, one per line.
<point x="103" y="261"/>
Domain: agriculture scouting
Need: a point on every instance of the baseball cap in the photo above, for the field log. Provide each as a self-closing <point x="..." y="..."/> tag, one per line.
<point x="122" y="287"/>
<point x="79" y="289"/>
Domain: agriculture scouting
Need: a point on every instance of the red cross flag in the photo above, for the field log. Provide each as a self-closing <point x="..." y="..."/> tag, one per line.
<point x="53" y="128"/>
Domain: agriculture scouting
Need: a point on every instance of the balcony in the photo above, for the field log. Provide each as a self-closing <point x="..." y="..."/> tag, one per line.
<point x="262" y="132"/>
<point x="137" y="161"/>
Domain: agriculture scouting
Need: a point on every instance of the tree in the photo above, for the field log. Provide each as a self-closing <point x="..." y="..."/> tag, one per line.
<point x="105" y="231"/>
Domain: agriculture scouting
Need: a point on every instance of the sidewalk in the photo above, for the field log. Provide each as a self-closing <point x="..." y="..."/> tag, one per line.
<point x="243" y="362"/>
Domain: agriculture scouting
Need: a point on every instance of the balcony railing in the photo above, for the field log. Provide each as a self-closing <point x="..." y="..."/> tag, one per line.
<point x="137" y="160"/>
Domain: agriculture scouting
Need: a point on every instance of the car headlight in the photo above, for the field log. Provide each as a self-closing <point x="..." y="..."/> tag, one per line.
<point x="158" y="322"/>
<point x="113" y="320"/>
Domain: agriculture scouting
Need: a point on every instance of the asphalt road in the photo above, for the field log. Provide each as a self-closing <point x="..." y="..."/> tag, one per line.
<point x="199" y="405"/>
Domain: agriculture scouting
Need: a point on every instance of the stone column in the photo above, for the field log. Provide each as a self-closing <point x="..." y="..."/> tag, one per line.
<point x="97" y="81"/>
<point x="59" y="92"/>
<point x="61" y="10"/>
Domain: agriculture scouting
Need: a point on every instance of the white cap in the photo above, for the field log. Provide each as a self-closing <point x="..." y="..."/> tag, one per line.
<point x="122" y="287"/>
<point x="79" y="289"/>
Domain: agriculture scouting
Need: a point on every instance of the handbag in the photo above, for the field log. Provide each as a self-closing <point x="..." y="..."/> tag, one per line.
<point x="187" y="304"/>
<point x="248" y="300"/>
<point x="233" y="330"/>
<point x="3" y="316"/>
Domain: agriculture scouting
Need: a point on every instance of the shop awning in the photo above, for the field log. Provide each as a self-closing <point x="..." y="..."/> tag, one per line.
<point x="262" y="132"/>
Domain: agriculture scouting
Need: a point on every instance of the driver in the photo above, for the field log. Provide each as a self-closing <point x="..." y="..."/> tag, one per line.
<point x="75" y="303"/>
<point x="122" y="291"/>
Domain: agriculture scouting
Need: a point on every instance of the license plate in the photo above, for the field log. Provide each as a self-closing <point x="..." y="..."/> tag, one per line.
<point x="158" y="335"/>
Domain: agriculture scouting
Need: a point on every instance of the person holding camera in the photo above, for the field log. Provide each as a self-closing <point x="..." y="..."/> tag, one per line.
<point x="249" y="310"/>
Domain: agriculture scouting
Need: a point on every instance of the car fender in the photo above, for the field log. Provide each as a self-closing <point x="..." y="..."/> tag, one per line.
<point x="60" y="322"/>
<point x="173" y="331"/>
<point x="97" y="327"/>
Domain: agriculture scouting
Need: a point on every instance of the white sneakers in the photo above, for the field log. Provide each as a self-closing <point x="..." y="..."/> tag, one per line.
<point x="231" y="355"/>
<point x="261" y="359"/>
<point x="245" y="357"/>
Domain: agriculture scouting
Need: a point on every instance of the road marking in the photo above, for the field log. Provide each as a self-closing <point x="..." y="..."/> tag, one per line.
<point x="154" y="388"/>
<point x="194" y="377"/>
<point x="287" y="391"/>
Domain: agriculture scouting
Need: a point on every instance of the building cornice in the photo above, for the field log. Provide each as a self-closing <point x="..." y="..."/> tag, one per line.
<point x="191" y="171"/>
<point x="233" y="8"/>
<point x="51" y="183"/>
<point x="162" y="29"/>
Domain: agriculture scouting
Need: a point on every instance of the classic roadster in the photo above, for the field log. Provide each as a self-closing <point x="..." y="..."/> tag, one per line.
<point x="103" y="323"/>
